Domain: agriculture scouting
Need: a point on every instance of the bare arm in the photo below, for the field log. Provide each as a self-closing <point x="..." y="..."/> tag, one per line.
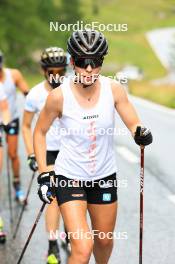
<point x="27" y="131"/>
<point x="5" y="111"/>
<point x="124" y="107"/>
<point x="20" y="82"/>
<point x="51" y="110"/>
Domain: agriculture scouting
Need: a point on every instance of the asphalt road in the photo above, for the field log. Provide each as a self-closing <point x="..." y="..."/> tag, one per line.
<point x="159" y="198"/>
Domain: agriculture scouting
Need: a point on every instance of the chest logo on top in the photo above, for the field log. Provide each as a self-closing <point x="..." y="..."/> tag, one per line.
<point x="90" y="117"/>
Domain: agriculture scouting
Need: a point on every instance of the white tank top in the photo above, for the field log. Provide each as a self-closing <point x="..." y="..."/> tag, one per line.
<point x="2" y="97"/>
<point x="86" y="150"/>
<point x="2" y="93"/>
<point x="10" y="91"/>
<point x="35" y="101"/>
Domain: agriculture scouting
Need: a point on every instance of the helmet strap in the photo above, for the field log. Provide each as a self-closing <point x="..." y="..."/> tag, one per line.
<point x="54" y="84"/>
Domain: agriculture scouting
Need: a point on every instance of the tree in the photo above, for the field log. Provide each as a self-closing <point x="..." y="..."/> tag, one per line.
<point x="69" y="13"/>
<point x="24" y="27"/>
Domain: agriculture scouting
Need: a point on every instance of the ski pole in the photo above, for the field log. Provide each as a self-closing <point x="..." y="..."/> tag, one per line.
<point x="141" y="202"/>
<point x="9" y="189"/>
<point x="31" y="233"/>
<point x="23" y="206"/>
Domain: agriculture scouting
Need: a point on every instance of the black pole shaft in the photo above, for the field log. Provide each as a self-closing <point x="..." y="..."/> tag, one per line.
<point x="9" y="188"/>
<point x="141" y="203"/>
<point x="31" y="233"/>
<point x="23" y="206"/>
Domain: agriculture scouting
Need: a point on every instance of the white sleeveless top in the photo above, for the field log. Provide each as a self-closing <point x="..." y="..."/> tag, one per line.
<point x="2" y="93"/>
<point x="87" y="151"/>
<point x="35" y="101"/>
<point x="2" y="97"/>
<point x="10" y="91"/>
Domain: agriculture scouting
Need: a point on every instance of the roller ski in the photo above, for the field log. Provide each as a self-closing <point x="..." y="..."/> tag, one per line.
<point x="19" y="194"/>
<point x="2" y="233"/>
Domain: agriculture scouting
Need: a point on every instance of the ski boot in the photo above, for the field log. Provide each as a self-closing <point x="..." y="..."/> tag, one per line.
<point x="53" y="253"/>
<point x="19" y="194"/>
<point x="2" y="234"/>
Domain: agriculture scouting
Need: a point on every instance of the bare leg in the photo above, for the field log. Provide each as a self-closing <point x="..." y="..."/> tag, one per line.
<point x="12" y="141"/>
<point x="74" y="216"/>
<point x="103" y="218"/>
<point x="52" y="218"/>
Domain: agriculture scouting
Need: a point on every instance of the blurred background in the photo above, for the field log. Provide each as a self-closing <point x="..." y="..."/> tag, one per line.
<point x="25" y="30"/>
<point x="145" y="52"/>
<point x="145" y="55"/>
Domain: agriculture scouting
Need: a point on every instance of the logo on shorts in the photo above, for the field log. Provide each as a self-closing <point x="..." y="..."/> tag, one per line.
<point x="106" y="197"/>
<point x="12" y="131"/>
<point x="77" y="194"/>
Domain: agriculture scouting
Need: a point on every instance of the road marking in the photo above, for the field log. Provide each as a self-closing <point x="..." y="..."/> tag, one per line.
<point x="171" y="198"/>
<point x="127" y="154"/>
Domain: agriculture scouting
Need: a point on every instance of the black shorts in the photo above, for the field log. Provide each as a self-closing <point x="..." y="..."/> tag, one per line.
<point x="12" y="128"/>
<point x="103" y="191"/>
<point x="51" y="156"/>
<point x="0" y="139"/>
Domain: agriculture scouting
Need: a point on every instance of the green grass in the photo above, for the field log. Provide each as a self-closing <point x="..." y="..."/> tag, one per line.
<point x="33" y="79"/>
<point x="135" y="51"/>
<point x="161" y="94"/>
<point x="131" y="46"/>
<point x="139" y="15"/>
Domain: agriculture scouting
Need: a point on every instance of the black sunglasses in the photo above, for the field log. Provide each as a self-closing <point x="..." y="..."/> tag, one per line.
<point x="84" y="62"/>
